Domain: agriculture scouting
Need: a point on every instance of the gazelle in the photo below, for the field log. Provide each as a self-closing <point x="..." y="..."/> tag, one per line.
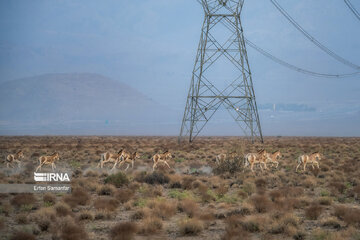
<point x="48" y="160"/>
<point x="11" y="158"/>
<point x="312" y="158"/>
<point x="127" y="158"/>
<point x="272" y="157"/>
<point x="109" y="157"/>
<point x="161" y="158"/>
<point x="252" y="158"/>
<point x="222" y="157"/>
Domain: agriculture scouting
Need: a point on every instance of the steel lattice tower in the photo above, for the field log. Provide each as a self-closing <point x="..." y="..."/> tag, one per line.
<point x="204" y="98"/>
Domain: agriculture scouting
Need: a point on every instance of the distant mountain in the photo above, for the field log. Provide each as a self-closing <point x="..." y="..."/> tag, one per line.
<point x="79" y="101"/>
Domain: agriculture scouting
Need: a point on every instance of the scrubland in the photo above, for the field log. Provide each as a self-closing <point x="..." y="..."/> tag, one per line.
<point x="195" y="199"/>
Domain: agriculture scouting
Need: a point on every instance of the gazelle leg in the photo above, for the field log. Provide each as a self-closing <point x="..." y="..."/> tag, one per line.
<point x="132" y="164"/>
<point x="154" y="166"/>
<point x="116" y="162"/>
<point x="167" y="164"/>
<point x="261" y="168"/>
<point x="317" y="164"/>
<point x="312" y="164"/>
<point x="127" y="167"/>
<point x="304" y="167"/>
<point x="252" y="167"/>
<point x="277" y="164"/>
<point x="297" y="167"/>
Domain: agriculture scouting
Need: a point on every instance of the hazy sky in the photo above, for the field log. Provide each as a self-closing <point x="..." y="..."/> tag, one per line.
<point x="151" y="45"/>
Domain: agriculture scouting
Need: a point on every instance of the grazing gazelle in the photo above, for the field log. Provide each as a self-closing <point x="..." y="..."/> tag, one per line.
<point x="161" y="158"/>
<point x="109" y="157"/>
<point x="252" y="158"/>
<point x="312" y="158"/>
<point x="11" y="158"/>
<point x="48" y="160"/>
<point x="128" y="158"/>
<point x="272" y="158"/>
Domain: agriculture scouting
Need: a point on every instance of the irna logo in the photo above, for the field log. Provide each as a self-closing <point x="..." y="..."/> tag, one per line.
<point x="51" y="177"/>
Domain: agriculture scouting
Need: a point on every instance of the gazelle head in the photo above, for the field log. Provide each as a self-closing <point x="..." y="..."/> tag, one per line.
<point x="20" y="154"/>
<point x="121" y="150"/>
<point x="136" y="155"/>
<point x="277" y="154"/>
<point x="168" y="154"/>
<point x="56" y="156"/>
<point x="317" y="155"/>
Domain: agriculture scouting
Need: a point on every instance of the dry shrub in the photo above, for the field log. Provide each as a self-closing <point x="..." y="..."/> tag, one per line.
<point x="338" y="186"/>
<point x="162" y="209"/>
<point x="349" y="215"/>
<point x="309" y="182"/>
<point x="102" y="215"/>
<point x="191" y="226"/>
<point x="222" y="190"/>
<point x="78" y="197"/>
<point x="140" y="214"/>
<point x="260" y="183"/>
<point x="275" y="195"/>
<point x="313" y="211"/>
<point x="175" y="180"/>
<point x="251" y="224"/>
<point x="6" y="208"/>
<point x="22" y="236"/>
<point x="330" y="222"/>
<point x="234" y="229"/>
<point x="106" y="190"/>
<point x="49" y="198"/>
<point x="2" y="224"/>
<point x="87" y="215"/>
<point x="187" y="182"/>
<point x="261" y="203"/>
<point x="156" y="178"/>
<point x="23" y="199"/>
<point x="68" y="229"/>
<point x="22" y="218"/>
<point x="44" y="217"/>
<point x="246" y="209"/>
<point x="123" y="231"/>
<point x="119" y="179"/>
<point x="62" y="210"/>
<point x="106" y="203"/>
<point x="188" y="206"/>
<point x="124" y="195"/>
<point x="325" y="201"/>
<point x="228" y="166"/>
<point x="151" y="225"/>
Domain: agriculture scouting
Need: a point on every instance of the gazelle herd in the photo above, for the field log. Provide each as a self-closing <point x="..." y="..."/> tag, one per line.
<point x="261" y="158"/>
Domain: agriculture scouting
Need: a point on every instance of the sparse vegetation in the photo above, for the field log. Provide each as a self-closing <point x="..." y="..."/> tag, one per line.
<point x="190" y="200"/>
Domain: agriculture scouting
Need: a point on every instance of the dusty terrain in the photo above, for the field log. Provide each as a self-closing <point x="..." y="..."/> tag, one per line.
<point x="195" y="199"/>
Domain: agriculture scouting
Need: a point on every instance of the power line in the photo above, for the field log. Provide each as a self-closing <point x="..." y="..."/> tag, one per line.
<point x="312" y="39"/>
<point x="293" y="67"/>
<point x="353" y="9"/>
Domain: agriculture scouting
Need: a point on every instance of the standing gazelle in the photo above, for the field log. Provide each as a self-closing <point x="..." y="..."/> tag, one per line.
<point x="11" y="158"/>
<point x="109" y="157"/>
<point x="48" y="160"/>
<point x="161" y="158"/>
<point x="312" y="158"/>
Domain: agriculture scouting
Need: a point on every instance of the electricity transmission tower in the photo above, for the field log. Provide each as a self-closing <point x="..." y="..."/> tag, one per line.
<point x="221" y="38"/>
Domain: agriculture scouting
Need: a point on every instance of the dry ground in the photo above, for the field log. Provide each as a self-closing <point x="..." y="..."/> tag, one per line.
<point x="193" y="200"/>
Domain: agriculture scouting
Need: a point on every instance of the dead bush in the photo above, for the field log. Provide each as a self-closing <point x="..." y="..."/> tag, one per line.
<point x="150" y="226"/>
<point x="87" y="215"/>
<point x="49" y="198"/>
<point x="79" y="196"/>
<point x="124" y="195"/>
<point x="23" y="199"/>
<point x="191" y="226"/>
<point x="330" y="222"/>
<point x="349" y="215"/>
<point x="162" y="209"/>
<point x="22" y="236"/>
<point x="62" y="210"/>
<point x="261" y="203"/>
<point x="234" y="229"/>
<point x="313" y="211"/>
<point x="106" y="203"/>
<point x="106" y="190"/>
<point x="44" y="217"/>
<point x="187" y="182"/>
<point x="156" y="178"/>
<point x="188" y="206"/>
<point x="123" y="231"/>
<point x="22" y="218"/>
<point x="68" y="229"/>
<point x="228" y="166"/>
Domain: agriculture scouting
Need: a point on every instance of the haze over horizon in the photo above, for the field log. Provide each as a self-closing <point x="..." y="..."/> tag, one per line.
<point x="150" y="47"/>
